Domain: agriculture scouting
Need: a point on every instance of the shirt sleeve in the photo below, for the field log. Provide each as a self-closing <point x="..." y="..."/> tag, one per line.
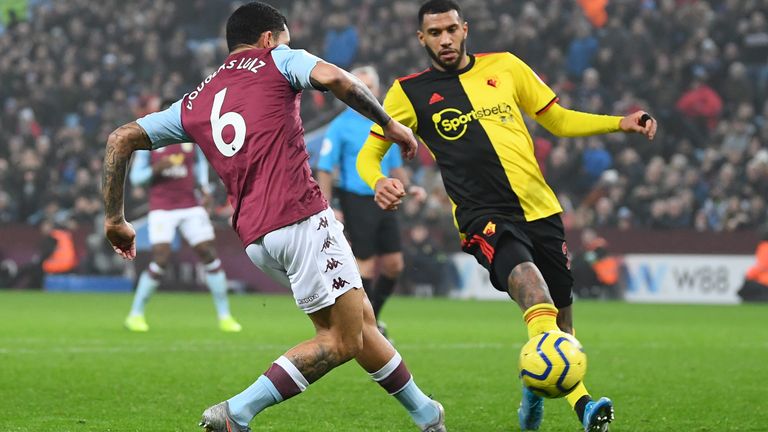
<point x="399" y="107"/>
<point x="201" y="170"/>
<point x="164" y="127"/>
<point x="392" y="160"/>
<point x="295" y="65"/>
<point x="330" y="151"/>
<point x="531" y="94"/>
<point x="141" y="169"/>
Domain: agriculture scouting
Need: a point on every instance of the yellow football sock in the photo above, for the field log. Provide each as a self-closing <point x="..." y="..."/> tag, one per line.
<point x="577" y="393"/>
<point x="540" y="318"/>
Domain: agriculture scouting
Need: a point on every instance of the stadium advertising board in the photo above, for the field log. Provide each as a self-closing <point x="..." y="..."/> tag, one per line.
<point x="474" y="282"/>
<point x="651" y="278"/>
<point x="685" y="278"/>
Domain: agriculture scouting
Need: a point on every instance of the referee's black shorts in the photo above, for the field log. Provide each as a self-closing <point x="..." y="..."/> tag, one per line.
<point x="499" y="245"/>
<point x="370" y="230"/>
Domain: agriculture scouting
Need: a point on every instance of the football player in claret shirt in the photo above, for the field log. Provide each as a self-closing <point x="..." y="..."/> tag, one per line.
<point x="467" y="108"/>
<point x="172" y="176"/>
<point x="245" y="118"/>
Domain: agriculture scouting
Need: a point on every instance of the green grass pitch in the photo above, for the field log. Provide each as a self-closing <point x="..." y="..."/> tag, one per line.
<point x="66" y="364"/>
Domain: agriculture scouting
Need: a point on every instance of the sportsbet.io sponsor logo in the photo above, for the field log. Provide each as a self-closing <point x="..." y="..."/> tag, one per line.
<point x="451" y="123"/>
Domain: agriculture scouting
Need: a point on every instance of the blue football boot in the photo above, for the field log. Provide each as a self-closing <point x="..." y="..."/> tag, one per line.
<point x="597" y="415"/>
<point x="531" y="410"/>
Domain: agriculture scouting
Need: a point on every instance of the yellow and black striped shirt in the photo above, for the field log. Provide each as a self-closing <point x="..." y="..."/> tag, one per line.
<point x="470" y="120"/>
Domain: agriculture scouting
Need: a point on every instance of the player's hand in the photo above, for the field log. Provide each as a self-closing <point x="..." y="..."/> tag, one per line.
<point x="206" y="200"/>
<point x="636" y="123"/>
<point x="402" y="136"/>
<point x="389" y="193"/>
<point x="123" y="239"/>
<point x="162" y="164"/>
<point x="418" y="193"/>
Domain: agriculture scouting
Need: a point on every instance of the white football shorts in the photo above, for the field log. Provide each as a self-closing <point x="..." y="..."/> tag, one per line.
<point x="193" y="222"/>
<point x="311" y="257"/>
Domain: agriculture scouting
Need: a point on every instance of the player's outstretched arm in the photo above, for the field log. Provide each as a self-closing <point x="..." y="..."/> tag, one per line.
<point x="120" y="146"/>
<point x="350" y="90"/>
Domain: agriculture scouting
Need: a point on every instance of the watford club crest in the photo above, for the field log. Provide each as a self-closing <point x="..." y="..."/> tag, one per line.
<point x="489" y="229"/>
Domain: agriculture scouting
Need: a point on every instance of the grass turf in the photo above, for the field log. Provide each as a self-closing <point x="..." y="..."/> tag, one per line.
<point x="66" y="364"/>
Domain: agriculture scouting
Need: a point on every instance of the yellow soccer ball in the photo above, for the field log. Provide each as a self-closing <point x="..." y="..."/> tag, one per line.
<point x="552" y="364"/>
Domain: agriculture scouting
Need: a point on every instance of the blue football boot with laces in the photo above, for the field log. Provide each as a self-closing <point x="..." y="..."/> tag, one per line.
<point x="597" y="415"/>
<point x="531" y="410"/>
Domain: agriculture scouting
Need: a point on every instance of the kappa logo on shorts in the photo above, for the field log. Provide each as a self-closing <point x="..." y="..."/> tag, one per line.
<point x="567" y="256"/>
<point x="327" y="243"/>
<point x="323" y="223"/>
<point x="332" y="264"/>
<point x="309" y="299"/>
<point x="339" y="283"/>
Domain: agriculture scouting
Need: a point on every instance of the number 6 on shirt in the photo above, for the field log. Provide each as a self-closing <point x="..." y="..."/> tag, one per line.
<point x="219" y="122"/>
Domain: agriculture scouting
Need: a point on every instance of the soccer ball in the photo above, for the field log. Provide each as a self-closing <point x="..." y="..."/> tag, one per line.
<point x="552" y="364"/>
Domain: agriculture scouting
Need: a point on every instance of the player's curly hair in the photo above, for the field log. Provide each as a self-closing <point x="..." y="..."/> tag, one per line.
<point x="250" y="20"/>
<point x="436" y="7"/>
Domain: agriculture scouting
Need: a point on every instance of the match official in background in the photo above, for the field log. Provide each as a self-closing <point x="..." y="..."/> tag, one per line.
<point x="374" y="233"/>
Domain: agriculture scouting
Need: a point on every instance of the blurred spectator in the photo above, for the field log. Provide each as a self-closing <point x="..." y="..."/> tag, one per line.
<point x="582" y="50"/>
<point x="73" y="70"/>
<point x="341" y="41"/>
<point x="595" y="271"/>
<point x="31" y="274"/>
<point x="701" y="104"/>
<point x="755" y="286"/>
<point x="428" y="269"/>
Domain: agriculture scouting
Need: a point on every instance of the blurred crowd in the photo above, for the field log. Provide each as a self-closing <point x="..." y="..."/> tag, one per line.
<point x="74" y="70"/>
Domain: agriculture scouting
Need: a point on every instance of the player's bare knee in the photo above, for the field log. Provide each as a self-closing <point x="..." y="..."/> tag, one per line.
<point x="527" y="286"/>
<point x="393" y="267"/>
<point x="349" y="347"/>
<point x="161" y="260"/>
<point x="367" y="267"/>
<point x="206" y="252"/>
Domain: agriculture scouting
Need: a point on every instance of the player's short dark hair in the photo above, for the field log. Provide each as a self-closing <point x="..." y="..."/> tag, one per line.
<point x="250" y="20"/>
<point x="436" y="7"/>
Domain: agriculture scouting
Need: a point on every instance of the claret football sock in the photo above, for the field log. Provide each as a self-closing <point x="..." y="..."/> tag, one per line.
<point x="216" y="280"/>
<point x="395" y="378"/>
<point x="148" y="283"/>
<point x="280" y="382"/>
<point x="540" y="318"/>
<point x="578" y="399"/>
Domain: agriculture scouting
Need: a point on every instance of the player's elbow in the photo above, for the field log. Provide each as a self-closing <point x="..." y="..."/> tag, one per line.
<point x="128" y="138"/>
<point x="329" y="76"/>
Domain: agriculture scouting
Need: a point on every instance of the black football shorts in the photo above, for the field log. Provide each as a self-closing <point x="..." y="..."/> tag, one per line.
<point x="499" y="245"/>
<point x="370" y="230"/>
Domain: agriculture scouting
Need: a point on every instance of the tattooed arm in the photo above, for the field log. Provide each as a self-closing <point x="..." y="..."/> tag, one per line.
<point x="350" y="90"/>
<point x="120" y="146"/>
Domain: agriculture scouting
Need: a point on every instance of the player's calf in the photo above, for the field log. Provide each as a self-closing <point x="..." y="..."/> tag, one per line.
<point x="527" y="287"/>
